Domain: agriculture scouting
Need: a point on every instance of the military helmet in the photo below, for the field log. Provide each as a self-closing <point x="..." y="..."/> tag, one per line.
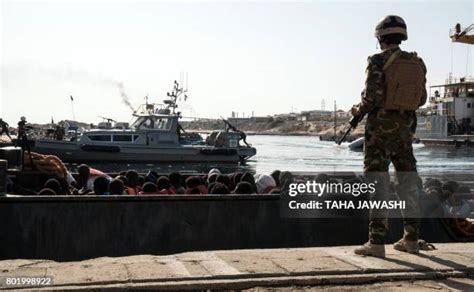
<point x="23" y="118"/>
<point x="391" y="24"/>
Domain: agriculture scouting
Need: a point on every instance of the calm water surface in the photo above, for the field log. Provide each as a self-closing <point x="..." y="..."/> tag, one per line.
<point x="308" y="154"/>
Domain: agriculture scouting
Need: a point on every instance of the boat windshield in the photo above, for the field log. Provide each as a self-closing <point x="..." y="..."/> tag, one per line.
<point x="152" y="123"/>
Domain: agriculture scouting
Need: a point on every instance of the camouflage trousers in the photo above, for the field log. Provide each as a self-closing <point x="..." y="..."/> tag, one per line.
<point x="388" y="139"/>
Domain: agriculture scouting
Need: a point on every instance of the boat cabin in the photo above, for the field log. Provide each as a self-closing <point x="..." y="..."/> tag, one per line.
<point x="455" y="101"/>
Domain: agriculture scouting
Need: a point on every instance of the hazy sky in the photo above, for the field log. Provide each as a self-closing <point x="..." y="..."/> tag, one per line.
<point x="261" y="56"/>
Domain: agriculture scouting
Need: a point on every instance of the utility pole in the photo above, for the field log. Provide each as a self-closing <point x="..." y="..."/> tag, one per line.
<point x="335" y="120"/>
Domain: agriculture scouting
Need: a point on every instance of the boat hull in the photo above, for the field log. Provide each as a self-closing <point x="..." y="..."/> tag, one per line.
<point x="357" y="145"/>
<point x="450" y="142"/>
<point x="75" y="152"/>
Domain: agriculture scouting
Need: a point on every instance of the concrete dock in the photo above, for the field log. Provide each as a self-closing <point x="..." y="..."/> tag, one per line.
<point x="244" y="269"/>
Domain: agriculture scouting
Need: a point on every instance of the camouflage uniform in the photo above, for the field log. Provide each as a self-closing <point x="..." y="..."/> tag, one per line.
<point x="4" y="128"/>
<point x="388" y="138"/>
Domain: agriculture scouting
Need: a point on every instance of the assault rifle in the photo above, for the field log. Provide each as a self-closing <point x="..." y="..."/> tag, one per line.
<point x="353" y="124"/>
<point x="243" y="137"/>
<point x="230" y="125"/>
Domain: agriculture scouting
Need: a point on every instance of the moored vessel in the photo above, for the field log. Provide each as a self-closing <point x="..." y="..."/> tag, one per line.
<point x="448" y="118"/>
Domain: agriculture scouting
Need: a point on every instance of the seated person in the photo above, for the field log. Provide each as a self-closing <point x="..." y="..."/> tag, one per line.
<point x="149" y="188"/>
<point x="116" y="187"/>
<point x="101" y="186"/>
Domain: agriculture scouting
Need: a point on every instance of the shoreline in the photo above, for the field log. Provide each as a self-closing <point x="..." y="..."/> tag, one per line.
<point x="251" y="133"/>
<point x="323" y="128"/>
<point x="322" y="137"/>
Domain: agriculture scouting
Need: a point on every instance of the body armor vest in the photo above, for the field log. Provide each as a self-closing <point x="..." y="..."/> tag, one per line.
<point x="404" y="81"/>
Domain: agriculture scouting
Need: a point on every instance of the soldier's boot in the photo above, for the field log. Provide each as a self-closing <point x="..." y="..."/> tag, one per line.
<point x="407" y="246"/>
<point x="371" y="249"/>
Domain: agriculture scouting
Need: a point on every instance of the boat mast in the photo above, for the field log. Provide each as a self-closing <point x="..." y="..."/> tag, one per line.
<point x="176" y="93"/>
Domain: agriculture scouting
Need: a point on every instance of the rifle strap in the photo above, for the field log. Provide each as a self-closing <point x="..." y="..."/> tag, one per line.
<point x="391" y="59"/>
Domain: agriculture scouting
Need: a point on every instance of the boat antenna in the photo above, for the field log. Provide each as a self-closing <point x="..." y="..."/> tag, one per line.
<point x="72" y="106"/>
<point x="467" y="61"/>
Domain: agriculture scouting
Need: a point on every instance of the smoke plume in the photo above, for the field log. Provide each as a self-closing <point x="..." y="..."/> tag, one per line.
<point x="125" y="98"/>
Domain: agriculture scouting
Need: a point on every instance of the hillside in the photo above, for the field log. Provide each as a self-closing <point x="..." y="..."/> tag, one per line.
<point x="324" y="128"/>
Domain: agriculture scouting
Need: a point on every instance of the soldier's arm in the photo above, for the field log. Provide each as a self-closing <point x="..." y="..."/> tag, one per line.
<point x="424" y="95"/>
<point x="372" y="94"/>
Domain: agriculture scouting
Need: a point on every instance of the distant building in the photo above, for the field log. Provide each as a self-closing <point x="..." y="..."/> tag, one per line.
<point x="343" y="114"/>
<point x="314" y="115"/>
<point x="266" y="119"/>
<point x="234" y="120"/>
<point x="285" y="117"/>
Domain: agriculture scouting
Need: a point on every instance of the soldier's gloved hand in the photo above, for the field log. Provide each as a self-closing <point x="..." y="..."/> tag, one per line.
<point x="355" y="110"/>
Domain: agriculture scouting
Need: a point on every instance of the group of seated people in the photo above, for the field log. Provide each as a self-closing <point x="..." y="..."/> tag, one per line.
<point x="449" y="199"/>
<point x="454" y="203"/>
<point x="90" y="181"/>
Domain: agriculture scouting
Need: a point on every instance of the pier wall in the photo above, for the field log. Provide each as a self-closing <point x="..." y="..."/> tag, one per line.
<point x="75" y="228"/>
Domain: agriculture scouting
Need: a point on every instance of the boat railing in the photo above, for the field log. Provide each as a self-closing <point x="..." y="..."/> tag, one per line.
<point x="465" y="79"/>
<point x="149" y="108"/>
<point x="435" y="98"/>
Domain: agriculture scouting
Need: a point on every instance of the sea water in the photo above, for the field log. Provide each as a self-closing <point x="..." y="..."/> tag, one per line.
<point x="308" y="154"/>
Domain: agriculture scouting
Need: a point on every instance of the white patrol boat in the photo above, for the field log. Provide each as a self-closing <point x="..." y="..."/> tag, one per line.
<point x="154" y="136"/>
